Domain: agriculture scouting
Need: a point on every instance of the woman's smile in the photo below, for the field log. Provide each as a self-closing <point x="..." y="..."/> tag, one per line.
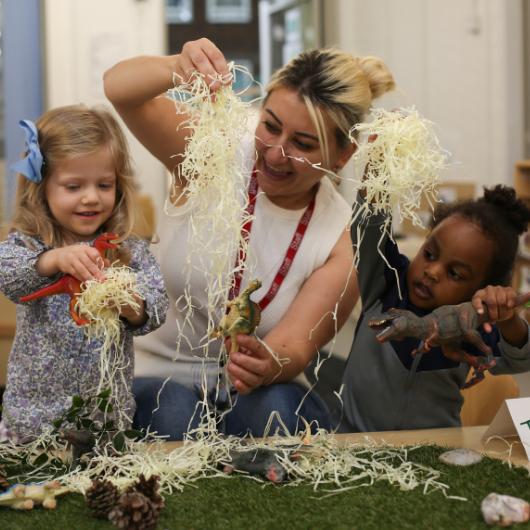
<point x="276" y="173"/>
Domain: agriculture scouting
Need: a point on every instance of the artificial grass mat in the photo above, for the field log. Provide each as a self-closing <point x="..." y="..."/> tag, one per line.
<point x="239" y="503"/>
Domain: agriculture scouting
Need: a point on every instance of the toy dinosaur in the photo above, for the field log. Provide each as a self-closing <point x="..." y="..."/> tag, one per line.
<point x="81" y="441"/>
<point x="243" y="316"/>
<point x="27" y="496"/>
<point x="447" y="327"/>
<point x="67" y="284"/>
<point x="261" y="461"/>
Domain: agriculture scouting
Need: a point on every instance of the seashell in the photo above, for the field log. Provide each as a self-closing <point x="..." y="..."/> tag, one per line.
<point x="504" y="510"/>
<point x="460" y="457"/>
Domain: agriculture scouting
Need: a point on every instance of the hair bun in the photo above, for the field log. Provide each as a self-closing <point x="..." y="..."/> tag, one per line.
<point x="378" y="75"/>
<point x="514" y="210"/>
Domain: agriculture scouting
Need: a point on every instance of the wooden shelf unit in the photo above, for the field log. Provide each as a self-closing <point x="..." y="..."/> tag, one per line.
<point x="521" y="179"/>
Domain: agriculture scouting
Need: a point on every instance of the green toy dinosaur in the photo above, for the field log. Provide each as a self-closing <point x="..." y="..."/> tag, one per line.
<point x="243" y="316"/>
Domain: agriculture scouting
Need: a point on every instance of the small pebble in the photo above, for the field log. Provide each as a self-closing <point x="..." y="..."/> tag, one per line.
<point x="504" y="510"/>
<point x="460" y="457"/>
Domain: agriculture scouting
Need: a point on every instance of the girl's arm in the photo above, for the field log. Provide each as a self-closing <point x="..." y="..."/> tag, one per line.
<point x="19" y="258"/>
<point x="153" y="297"/>
<point x="306" y="326"/>
<point x="136" y="87"/>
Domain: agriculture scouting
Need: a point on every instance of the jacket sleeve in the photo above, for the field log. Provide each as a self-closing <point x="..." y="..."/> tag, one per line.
<point x="150" y="284"/>
<point x="18" y="257"/>
<point x="512" y="360"/>
<point x="369" y="243"/>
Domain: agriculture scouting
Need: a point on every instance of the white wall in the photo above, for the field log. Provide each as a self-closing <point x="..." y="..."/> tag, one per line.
<point x="85" y="37"/>
<point x="459" y="61"/>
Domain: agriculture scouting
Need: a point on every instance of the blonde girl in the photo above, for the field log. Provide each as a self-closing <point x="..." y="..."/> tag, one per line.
<point x="75" y="182"/>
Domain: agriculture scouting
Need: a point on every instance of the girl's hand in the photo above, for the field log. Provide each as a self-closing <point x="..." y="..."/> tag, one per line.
<point x="136" y="317"/>
<point x="203" y="56"/>
<point x="252" y="366"/>
<point x="499" y="301"/>
<point x="83" y="262"/>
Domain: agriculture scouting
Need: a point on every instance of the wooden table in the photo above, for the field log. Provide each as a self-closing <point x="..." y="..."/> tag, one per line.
<point x="468" y="437"/>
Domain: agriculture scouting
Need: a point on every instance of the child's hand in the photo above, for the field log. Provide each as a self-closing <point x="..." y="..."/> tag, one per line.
<point x="83" y="262"/>
<point x="499" y="302"/>
<point x="136" y="317"/>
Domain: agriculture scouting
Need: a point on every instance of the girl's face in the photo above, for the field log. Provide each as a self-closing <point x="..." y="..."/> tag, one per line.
<point x="81" y="193"/>
<point x="451" y="266"/>
<point x="287" y="146"/>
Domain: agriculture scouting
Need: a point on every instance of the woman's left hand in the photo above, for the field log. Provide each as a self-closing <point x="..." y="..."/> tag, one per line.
<point x="251" y="366"/>
<point x="498" y="301"/>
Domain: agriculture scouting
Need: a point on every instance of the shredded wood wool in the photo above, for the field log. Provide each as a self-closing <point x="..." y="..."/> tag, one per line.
<point x="100" y="302"/>
<point x="329" y="465"/>
<point x="403" y="164"/>
<point x="215" y="192"/>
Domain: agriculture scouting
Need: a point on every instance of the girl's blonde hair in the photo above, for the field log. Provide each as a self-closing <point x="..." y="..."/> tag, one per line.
<point x="69" y="132"/>
<point x="336" y="85"/>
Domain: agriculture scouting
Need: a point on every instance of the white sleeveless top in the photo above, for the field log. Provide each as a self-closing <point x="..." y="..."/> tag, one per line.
<point x="272" y="231"/>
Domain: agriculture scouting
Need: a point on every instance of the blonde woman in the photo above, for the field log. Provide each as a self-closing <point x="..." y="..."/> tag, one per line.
<point x="302" y="134"/>
<point x="75" y="182"/>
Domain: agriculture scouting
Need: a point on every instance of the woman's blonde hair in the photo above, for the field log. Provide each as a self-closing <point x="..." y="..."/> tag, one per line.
<point x="336" y="85"/>
<point x="69" y="132"/>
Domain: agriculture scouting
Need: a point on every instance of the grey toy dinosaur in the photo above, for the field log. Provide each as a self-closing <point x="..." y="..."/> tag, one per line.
<point x="447" y="327"/>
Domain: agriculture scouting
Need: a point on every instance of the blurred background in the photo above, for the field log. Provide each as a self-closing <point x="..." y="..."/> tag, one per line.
<point x="465" y="64"/>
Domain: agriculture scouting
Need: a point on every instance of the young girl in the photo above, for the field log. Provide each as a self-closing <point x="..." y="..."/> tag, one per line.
<point x="75" y="182"/>
<point x="468" y="255"/>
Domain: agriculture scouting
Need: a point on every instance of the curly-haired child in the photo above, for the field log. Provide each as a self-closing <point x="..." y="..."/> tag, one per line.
<point x="468" y="255"/>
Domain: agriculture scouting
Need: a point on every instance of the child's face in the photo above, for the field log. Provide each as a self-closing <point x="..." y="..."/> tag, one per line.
<point x="451" y="266"/>
<point x="81" y="193"/>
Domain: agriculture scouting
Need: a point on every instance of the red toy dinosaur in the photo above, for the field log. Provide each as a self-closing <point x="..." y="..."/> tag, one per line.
<point x="70" y="285"/>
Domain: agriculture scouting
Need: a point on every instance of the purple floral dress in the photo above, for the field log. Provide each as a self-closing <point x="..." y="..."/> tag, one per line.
<point x="51" y="359"/>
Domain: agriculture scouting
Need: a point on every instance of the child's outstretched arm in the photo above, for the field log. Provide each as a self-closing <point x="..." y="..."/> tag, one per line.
<point x="20" y="258"/>
<point x="500" y="303"/>
<point x="373" y="248"/>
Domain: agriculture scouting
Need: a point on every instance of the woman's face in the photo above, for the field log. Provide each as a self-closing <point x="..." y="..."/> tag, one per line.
<point x="287" y="148"/>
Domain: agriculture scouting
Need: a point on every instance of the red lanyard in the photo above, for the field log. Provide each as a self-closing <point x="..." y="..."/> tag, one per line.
<point x="289" y="255"/>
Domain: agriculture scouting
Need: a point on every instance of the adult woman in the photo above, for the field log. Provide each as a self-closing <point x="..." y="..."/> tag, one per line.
<point x="310" y="106"/>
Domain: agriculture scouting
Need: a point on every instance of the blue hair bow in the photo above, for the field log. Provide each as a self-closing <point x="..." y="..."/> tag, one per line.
<point x="31" y="165"/>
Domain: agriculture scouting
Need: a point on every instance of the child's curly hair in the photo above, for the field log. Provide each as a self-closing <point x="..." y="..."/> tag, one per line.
<point x="502" y="217"/>
<point x="69" y="132"/>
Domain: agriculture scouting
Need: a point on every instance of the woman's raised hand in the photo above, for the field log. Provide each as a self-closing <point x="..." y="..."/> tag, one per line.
<point x="204" y="56"/>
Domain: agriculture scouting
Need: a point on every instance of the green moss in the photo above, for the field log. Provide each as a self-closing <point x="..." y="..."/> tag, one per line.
<point x="239" y="503"/>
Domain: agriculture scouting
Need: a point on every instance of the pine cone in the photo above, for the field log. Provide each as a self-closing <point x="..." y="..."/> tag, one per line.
<point x="4" y="484"/>
<point x="149" y="487"/>
<point x="101" y="497"/>
<point x="134" y="511"/>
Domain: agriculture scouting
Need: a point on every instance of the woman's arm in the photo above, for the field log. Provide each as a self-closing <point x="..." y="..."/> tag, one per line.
<point x="136" y="88"/>
<point x="307" y="325"/>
